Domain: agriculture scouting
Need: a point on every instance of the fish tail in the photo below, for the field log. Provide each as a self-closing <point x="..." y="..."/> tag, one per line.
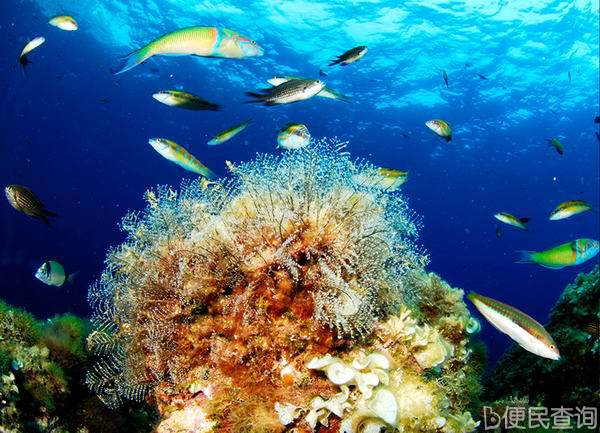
<point x="44" y="218"/>
<point x="71" y="278"/>
<point x="24" y="61"/>
<point x="257" y="97"/>
<point x="208" y="173"/>
<point x="526" y="256"/>
<point x="132" y="59"/>
<point x="335" y="61"/>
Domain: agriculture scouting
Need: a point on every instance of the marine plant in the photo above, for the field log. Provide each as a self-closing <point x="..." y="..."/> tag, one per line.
<point x="287" y="297"/>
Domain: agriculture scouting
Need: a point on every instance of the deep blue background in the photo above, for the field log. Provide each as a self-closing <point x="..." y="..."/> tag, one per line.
<point x="90" y="162"/>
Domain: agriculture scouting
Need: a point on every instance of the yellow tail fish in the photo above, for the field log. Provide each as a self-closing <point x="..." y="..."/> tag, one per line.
<point x="178" y="155"/>
<point x="195" y="41"/>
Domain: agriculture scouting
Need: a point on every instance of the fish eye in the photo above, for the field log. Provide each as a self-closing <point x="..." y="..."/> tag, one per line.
<point x="253" y="42"/>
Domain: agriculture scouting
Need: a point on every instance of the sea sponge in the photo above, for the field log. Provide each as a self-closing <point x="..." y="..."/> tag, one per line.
<point x="285" y="297"/>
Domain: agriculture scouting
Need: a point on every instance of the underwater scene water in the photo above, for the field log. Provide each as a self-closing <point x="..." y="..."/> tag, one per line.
<point x="299" y="216"/>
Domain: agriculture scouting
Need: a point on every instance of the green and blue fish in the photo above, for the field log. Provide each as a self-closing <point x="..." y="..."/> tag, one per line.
<point x="228" y="133"/>
<point x="523" y="329"/>
<point x="177" y="154"/>
<point x="195" y="41"/>
<point x="568" y="254"/>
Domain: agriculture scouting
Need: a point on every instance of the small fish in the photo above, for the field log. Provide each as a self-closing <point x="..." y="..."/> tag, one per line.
<point x="381" y="178"/>
<point x="467" y="65"/>
<point x="197" y="41"/>
<point x="569" y="76"/>
<point x="445" y="75"/>
<point x="483" y="77"/>
<point x="498" y="232"/>
<point x="25" y="201"/>
<point x="228" y="133"/>
<point x="512" y="220"/>
<point x="64" y="22"/>
<point x="321" y="73"/>
<point x="31" y="45"/>
<point x="178" y="155"/>
<point x="350" y="56"/>
<point x="325" y="93"/>
<point x="53" y="274"/>
<point x="526" y="331"/>
<point x="555" y="142"/>
<point x="597" y="119"/>
<point x="288" y="92"/>
<point x="105" y="100"/>
<point x="177" y="98"/>
<point x="441" y="128"/>
<point x="293" y="136"/>
<point x="569" y="208"/>
<point x="568" y="254"/>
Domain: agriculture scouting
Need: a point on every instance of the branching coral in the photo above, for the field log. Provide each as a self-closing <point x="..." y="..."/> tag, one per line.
<point x="220" y="296"/>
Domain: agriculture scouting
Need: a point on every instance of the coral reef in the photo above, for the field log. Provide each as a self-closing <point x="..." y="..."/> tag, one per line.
<point x="572" y="381"/>
<point x="285" y="298"/>
<point x="42" y="368"/>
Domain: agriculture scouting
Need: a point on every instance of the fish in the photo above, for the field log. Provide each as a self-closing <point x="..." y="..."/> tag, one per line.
<point x="327" y="92"/>
<point x="555" y="142"/>
<point x="177" y="154"/>
<point x="597" y="135"/>
<point x="321" y="73"/>
<point x="445" y="76"/>
<point x="350" y="56"/>
<point x="290" y="91"/>
<point x="568" y="209"/>
<point x="293" y="136"/>
<point x="483" y="77"/>
<point x="441" y="128"/>
<point x="177" y="98"/>
<point x="569" y="76"/>
<point x="568" y="254"/>
<point x="205" y="183"/>
<point x="498" y="232"/>
<point x="197" y="41"/>
<point x="25" y="201"/>
<point x="387" y="179"/>
<point x="597" y="119"/>
<point x="53" y="273"/>
<point x="512" y="220"/>
<point x="105" y="100"/>
<point x="64" y="22"/>
<point x="522" y="328"/>
<point x="28" y="48"/>
<point x="228" y="133"/>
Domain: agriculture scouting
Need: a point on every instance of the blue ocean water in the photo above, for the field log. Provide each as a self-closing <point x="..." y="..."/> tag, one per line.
<point x="78" y="135"/>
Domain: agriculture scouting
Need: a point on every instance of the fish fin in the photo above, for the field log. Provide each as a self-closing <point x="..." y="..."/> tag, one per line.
<point x="72" y="277"/>
<point x="46" y="212"/>
<point x="448" y="139"/>
<point x="525" y="256"/>
<point x="258" y="97"/>
<point x="525" y="219"/>
<point x="551" y="267"/>
<point x="45" y="220"/>
<point x="24" y="61"/>
<point x="335" y="61"/>
<point x="131" y="60"/>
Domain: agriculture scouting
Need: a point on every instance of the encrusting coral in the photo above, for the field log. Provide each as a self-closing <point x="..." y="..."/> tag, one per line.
<point x="573" y="381"/>
<point x="42" y="367"/>
<point x="286" y="298"/>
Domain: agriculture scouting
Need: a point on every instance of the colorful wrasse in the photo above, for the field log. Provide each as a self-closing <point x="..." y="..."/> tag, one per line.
<point x="197" y="41"/>
<point x="512" y="220"/>
<point x="441" y="128"/>
<point x="53" y="274"/>
<point x="555" y="142"/>
<point x="229" y="133"/>
<point x="568" y="254"/>
<point x="350" y="56"/>
<point x="287" y="92"/>
<point x="523" y="329"/>
<point x="569" y="208"/>
<point x="382" y="178"/>
<point x="177" y="98"/>
<point x="25" y="201"/>
<point x="293" y="136"/>
<point x="325" y="93"/>
<point x="64" y="22"/>
<point x="31" y="45"/>
<point x="178" y="155"/>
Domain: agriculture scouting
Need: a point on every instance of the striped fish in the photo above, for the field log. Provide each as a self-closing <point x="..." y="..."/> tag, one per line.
<point x="288" y="92"/>
<point x="325" y="93"/>
<point x="568" y="254"/>
<point x="196" y="41"/>
<point x="523" y="329"/>
<point x="178" y="155"/>
<point x="569" y="208"/>
<point x="229" y="133"/>
<point x="25" y="201"/>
